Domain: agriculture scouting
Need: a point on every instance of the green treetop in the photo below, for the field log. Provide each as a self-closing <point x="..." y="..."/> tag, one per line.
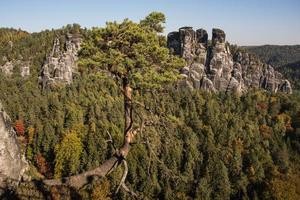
<point x="132" y="52"/>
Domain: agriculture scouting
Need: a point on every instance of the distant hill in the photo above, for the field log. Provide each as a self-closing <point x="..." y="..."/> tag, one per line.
<point x="276" y="55"/>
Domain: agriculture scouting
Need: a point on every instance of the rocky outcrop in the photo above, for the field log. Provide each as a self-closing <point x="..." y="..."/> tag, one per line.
<point x="60" y="65"/>
<point x="8" y="67"/>
<point x="213" y="67"/>
<point x="12" y="163"/>
<point x="25" y="69"/>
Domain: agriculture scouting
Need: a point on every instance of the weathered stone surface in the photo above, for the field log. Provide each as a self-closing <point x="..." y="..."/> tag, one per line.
<point x="187" y="41"/>
<point x="286" y="87"/>
<point x="174" y="42"/>
<point x="202" y="36"/>
<point x="214" y="68"/>
<point x="25" y="69"/>
<point x="207" y="84"/>
<point x="12" y="163"/>
<point x="9" y="66"/>
<point x="218" y="36"/>
<point x="60" y="66"/>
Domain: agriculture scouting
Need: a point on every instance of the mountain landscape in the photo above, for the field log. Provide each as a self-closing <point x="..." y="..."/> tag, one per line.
<point x="128" y="111"/>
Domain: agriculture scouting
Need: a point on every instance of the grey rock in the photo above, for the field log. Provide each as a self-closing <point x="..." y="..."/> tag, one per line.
<point x="25" y="69"/>
<point x="187" y="40"/>
<point x="235" y="86"/>
<point x="199" y="68"/>
<point x="201" y="46"/>
<point x="184" y="83"/>
<point x="185" y="70"/>
<point x="174" y="42"/>
<point x="195" y="75"/>
<point x="218" y="36"/>
<point x="12" y="163"/>
<point x="285" y="87"/>
<point x="196" y="83"/>
<point x="10" y="44"/>
<point x="207" y="84"/>
<point x="7" y="68"/>
<point x="60" y="65"/>
<point x="202" y="36"/>
<point x="214" y="68"/>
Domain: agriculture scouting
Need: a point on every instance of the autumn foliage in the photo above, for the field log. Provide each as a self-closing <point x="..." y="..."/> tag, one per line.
<point x="19" y="127"/>
<point x="262" y="106"/>
<point x="42" y="164"/>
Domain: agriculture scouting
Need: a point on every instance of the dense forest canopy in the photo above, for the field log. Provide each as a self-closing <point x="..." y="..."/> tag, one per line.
<point x="277" y="55"/>
<point x="199" y="145"/>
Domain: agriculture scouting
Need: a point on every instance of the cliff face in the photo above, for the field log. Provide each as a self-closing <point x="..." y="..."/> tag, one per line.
<point x="12" y="163"/>
<point x="60" y="65"/>
<point x="213" y="67"/>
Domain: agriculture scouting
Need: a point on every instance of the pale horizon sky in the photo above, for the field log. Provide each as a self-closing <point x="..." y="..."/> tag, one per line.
<point x="245" y="22"/>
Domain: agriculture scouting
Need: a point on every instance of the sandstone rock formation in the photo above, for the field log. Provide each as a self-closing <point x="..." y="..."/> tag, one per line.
<point x="9" y="66"/>
<point x="213" y="67"/>
<point x="25" y="69"/>
<point x="60" y="65"/>
<point x="12" y="163"/>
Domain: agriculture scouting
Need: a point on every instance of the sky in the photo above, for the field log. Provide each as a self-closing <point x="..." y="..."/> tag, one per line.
<point x="245" y="22"/>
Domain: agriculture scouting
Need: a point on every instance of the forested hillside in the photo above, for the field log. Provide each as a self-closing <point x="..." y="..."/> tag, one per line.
<point x="190" y="144"/>
<point x="277" y="55"/>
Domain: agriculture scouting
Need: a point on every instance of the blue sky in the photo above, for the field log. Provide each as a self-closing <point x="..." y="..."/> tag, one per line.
<point x="246" y="22"/>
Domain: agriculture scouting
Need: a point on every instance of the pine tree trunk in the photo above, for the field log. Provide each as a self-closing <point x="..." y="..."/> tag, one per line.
<point x="127" y="117"/>
<point x="78" y="181"/>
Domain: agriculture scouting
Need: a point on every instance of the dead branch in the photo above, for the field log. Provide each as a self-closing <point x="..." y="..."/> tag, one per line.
<point x="111" y="141"/>
<point x="122" y="182"/>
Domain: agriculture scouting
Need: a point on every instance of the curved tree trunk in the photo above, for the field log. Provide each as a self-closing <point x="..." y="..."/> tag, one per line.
<point x="78" y="181"/>
<point x="127" y="91"/>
